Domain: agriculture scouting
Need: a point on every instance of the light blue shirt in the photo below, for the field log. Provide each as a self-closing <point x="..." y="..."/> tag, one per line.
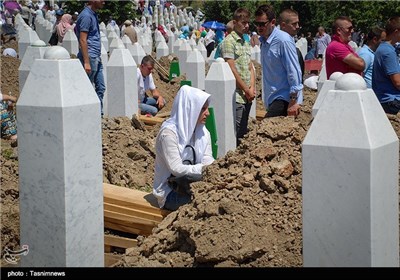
<point x="322" y="42"/>
<point x="281" y="68"/>
<point x="385" y="64"/>
<point x="368" y="56"/>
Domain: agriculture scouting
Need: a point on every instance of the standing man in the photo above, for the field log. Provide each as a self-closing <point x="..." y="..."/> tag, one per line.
<point x="283" y="90"/>
<point x="88" y="32"/>
<point x="322" y="41"/>
<point x="386" y="71"/>
<point x="367" y="52"/>
<point x="340" y="56"/>
<point x="237" y="53"/>
<point x="289" y="22"/>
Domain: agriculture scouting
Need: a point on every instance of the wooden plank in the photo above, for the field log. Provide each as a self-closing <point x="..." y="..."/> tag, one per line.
<point x="124" y="228"/>
<point x="132" y="198"/>
<point x="107" y="248"/>
<point x="129" y="220"/>
<point x="111" y="259"/>
<point x="165" y="72"/>
<point x="120" y="242"/>
<point x="151" y="120"/>
<point x="164" y="115"/>
<point x="131" y="211"/>
<point x="260" y="114"/>
<point x="134" y="205"/>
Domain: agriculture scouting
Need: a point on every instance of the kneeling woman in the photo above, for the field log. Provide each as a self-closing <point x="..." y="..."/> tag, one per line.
<point x="178" y="134"/>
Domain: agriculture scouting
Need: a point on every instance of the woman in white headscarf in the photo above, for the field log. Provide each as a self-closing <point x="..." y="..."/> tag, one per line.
<point x="186" y="126"/>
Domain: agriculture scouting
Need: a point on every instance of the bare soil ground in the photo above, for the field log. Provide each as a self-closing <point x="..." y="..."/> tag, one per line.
<point x="247" y="212"/>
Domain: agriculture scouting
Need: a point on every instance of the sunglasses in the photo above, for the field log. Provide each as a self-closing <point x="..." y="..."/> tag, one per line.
<point x="347" y="29"/>
<point x="260" y="23"/>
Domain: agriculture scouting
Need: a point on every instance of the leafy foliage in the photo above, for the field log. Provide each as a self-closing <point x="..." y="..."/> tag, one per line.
<point x="118" y="10"/>
<point x="313" y="13"/>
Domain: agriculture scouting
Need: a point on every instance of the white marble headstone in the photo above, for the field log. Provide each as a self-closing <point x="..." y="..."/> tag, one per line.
<point x="326" y="86"/>
<point x="350" y="181"/>
<point x="122" y="84"/>
<point x="70" y="42"/>
<point x="33" y="52"/>
<point x="196" y="69"/>
<point x="60" y="165"/>
<point x="221" y="84"/>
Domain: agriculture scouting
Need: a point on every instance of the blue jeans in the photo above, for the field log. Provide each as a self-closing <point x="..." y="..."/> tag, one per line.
<point x="96" y="77"/>
<point x="149" y="106"/>
<point x="175" y="200"/>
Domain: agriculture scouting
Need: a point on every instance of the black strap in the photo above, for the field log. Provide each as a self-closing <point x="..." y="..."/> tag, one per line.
<point x="187" y="161"/>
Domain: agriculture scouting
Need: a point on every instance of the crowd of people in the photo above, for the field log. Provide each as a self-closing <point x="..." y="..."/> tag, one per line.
<point x="29" y="11"/>
<point x="183" y="137"/>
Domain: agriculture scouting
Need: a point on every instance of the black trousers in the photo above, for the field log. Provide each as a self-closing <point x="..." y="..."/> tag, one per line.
<point x="277" y="108"/>
<point x="392" y="107"/>
<point x="242" y="120"/>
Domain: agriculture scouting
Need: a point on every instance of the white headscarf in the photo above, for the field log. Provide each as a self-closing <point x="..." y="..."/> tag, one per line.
<point x="183" y="121"/>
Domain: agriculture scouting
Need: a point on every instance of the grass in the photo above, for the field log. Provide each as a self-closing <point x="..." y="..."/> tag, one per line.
<point x="7" y="153"/>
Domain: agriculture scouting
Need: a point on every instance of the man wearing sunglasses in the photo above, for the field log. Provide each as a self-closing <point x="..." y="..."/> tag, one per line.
<point x="282" y="83"/>
<point x="340" y="57"/>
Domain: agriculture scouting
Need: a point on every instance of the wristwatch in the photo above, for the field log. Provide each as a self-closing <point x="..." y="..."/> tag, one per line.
<point x="293" y="96"/>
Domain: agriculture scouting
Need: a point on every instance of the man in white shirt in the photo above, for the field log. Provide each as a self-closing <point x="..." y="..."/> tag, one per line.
<point x="148" y="105"/>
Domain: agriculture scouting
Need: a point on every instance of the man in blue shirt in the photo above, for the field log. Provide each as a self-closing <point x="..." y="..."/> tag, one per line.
<point x="88" y="33"/>
<point x="367" y="52"/>
<point x="322" y="40"/>
<point x="283" y="90"/>
<point x="289" y="22"/>
<point x="386" y="70"/>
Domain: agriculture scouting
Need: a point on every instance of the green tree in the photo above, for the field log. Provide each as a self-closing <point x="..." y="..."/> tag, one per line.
<point x="118" y="10"/>
<point x="364" y="14"/>
<point x="222" y="11"/>
<point x="313" y="13"/>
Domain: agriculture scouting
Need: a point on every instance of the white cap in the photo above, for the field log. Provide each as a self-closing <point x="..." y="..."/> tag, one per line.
<point x="10" y="52"/>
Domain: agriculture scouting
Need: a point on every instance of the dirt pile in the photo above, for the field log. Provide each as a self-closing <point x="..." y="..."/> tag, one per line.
<point x="247" y="212"/>
<point x="128" y="154"/>
<point x="9" y="71"/>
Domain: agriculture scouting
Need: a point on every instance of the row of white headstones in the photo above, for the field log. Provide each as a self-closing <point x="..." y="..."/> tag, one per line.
<point x="349" y="163"/>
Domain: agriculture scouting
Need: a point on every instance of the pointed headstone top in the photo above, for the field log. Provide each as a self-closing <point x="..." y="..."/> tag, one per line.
<point x="56" y="53"/>
<point x="219" y="60"/>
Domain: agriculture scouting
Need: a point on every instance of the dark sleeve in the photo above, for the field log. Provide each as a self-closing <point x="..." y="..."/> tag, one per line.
<point x="301" y="62"/>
